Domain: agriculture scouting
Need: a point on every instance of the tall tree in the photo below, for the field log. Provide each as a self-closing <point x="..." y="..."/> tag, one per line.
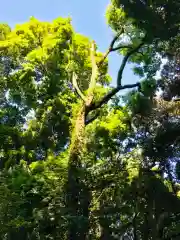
<point x="76" y="163"/>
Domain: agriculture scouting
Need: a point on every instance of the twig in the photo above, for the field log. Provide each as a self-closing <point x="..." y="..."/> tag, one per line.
<point x="125" y="59"/>
<point x="121" y="47"/>
<point x="111" y="47"/>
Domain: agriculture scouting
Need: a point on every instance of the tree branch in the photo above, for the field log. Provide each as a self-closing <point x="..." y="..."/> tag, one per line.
<point x="119" y="87"/>
<point x="110" y="94"/>
<point x="75" y="85"/>
<point x="120" y="47"/>
<point x="125" y="59"/>
<point x="111" y="47"/>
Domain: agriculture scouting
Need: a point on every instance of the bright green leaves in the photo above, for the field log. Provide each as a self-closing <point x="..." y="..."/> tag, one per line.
<point x="63" y="28"/>
<point x="34" y="34"/>
<point x="133" y="163"/>
<point x="52" y="168"/>
<point x="116" y="17"/>
<point x="79" y="59"/>
<point x="81" y="45"/>
<point x="104" y="135"/>
<point x="34" y="73"/>
<point x="39" y="48"/>
<point x="4" y="31"/>
<point x="111" y="123"/>
<point x="115" y="123"/>
<point x="52" y="37"/>
<point x="38" y="56"/>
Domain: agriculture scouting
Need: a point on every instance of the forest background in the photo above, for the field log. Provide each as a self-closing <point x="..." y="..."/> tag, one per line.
<point x="90" y="130"/>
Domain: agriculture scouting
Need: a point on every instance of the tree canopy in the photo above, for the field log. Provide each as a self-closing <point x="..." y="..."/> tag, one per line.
<point x="79" y="159"/>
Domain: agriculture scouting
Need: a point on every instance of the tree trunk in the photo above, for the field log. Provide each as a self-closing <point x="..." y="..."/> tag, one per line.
<point x="78" y="195"/>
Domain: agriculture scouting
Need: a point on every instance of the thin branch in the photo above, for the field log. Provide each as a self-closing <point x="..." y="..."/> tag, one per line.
<point x="75" y="85"/>
<point x="115" y="39"/>
<point x="125" y="59"/>
<point x="111" y="47"/>
<point x="110" y="94"/>
<point x="120" y="47"/>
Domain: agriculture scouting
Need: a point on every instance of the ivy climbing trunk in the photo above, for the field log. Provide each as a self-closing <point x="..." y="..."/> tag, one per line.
<point x="78" y="195"/>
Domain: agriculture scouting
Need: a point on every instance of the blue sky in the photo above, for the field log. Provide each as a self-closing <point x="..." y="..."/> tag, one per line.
<point x="88" y="18"/>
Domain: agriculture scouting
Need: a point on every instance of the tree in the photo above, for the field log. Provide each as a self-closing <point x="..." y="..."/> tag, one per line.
<point x="75" y="162"/>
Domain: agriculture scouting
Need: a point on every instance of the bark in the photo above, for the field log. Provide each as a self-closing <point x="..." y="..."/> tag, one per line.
<point x="78" y="194"/>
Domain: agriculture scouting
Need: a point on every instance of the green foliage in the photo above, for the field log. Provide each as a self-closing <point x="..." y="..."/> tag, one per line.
<point x="139" y="103"/>
<point x="148" y="87"/>
<point x="155" y="17"/>
<point x="73" y="165"/>
<point x="4" y="30"/>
